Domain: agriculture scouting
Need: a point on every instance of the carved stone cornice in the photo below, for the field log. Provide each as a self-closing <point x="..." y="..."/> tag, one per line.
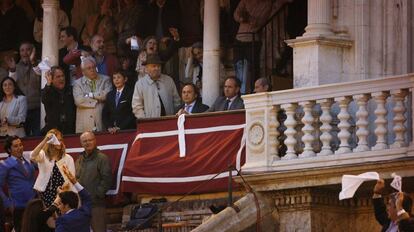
<point x="327" y="175"/>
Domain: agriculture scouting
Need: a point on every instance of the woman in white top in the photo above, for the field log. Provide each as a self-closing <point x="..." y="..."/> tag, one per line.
<point x="13" y="109"/>
<point x="50" y="155"/>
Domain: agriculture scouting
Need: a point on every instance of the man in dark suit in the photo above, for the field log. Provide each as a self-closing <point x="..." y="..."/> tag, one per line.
<point x="17" y="173"/>
<point x="231" y="99"/>
<point x="57" y="97"/>
<point x="117" y="112"/>
<point x="73" y="218"/>
<point x="396" y="215"/>
<point x="192" y="102"/>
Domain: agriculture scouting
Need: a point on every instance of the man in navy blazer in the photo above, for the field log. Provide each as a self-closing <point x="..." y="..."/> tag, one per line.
<point x="117" y="112"/>
<point x="192" y="102"/>
<point x="73" y="217"/>
<point x="231" y="99"/>
<point x="17" y="173"/>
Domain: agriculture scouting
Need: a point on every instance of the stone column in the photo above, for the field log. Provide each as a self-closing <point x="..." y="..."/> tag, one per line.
<point x="50" y="39"/>
<point x="319" y="18"/>
<point x="211" y="53"/>
<point x="318" y="55"/>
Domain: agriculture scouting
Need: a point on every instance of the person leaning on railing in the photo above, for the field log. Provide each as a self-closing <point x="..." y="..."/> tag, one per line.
<point x="396" y="215"/>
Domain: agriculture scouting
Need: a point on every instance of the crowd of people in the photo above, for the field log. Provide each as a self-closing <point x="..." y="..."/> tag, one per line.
<point x="122" y="66"/>
<point x="116" y="65"/>
<point x="49" y="200"/>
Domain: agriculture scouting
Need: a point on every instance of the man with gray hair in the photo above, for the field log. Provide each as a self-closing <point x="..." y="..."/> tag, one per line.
<point x="106" y="63"/>
<point x="261" y="85"/>
<point x="89" y="93"/>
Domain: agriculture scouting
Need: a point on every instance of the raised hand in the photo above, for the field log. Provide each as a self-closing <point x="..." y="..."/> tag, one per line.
<point x="379" y="186"/>
<point x="11" y="63"/>
<point x="48" y="76"/>
<point x="68" y="174"/>
<point x="33" y="55"/>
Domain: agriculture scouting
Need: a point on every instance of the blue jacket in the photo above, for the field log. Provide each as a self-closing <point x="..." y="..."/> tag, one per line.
<point x="20" y="186"/>
<point x="78" y="220"/>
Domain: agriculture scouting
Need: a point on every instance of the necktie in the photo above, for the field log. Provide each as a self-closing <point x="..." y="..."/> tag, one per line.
<point x="187" y="108"/>
<point x="226" y="105"/>
<point x="117" y="97"/>
<point x="93" y="85"/>
<point x="21" y="164"/>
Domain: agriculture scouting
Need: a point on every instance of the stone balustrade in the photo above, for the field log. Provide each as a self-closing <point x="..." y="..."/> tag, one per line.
<point x="329" y="125"/>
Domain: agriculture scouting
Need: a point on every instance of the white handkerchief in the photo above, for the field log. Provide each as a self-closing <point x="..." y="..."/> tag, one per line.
<point x="350" y="183"/>
<point x="54" y="140"/>
<point x="44" y="65"/>
<point x="134" y="44"/>
<point x="396" y="182"/>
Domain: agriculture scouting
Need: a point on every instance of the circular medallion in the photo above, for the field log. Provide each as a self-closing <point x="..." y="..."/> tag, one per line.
<point x="256" y="134"/>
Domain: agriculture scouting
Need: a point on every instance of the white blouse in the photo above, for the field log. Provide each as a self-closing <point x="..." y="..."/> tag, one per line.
<point x="46" y="167"/>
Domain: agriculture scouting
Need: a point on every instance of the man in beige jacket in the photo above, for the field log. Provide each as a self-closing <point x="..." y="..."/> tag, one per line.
<point x="155" y="94"/>
<point x="89" y="93"/>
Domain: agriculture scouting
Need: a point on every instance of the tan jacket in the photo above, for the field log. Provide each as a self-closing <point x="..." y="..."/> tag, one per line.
<point x="145" y="101"/>
<point x="89" y="110"/>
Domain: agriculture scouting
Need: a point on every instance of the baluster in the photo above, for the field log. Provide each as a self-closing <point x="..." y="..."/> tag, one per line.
<point x="273" y="124"/>
<point x="381" y="120"/>
<point x="326" y="127"/>
<point x="362" y="122"/>
<point x="307" y="129"/>
<point x="343" y="125"/>
<point x="290" y="132"/>
<point x="399" y="118"/>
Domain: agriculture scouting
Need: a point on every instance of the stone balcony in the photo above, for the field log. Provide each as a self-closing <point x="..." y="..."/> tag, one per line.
<point x="312" y="136"/>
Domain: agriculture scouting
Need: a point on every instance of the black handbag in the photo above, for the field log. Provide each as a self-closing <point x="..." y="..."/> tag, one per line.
<point x="141" y="216"/>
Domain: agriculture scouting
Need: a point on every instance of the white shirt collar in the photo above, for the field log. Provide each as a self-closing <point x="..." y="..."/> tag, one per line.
<point x="191" y="104"/>
<point x="231" y="99"/>
<point x="69" y="211"/>
<point x="120" y="90"/>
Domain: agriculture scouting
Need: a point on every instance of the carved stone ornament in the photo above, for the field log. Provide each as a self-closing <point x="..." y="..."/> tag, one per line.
<point x="256" y="134"/>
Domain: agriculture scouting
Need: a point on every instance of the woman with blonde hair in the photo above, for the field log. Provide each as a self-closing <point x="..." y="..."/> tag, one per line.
<point x="50" y="155"/>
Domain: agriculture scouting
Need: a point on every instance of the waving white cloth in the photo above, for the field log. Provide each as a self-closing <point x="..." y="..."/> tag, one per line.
<point x="396" y="182"/>
<point x="53" y="140"/>
<point x="44" y="65"/>
<point x="350" y="183"/>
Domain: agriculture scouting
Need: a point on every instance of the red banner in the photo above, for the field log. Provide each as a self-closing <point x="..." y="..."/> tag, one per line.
<point x="115" y="146"/>
<point x="153" y="163"/>
<point x="212" y="144"/>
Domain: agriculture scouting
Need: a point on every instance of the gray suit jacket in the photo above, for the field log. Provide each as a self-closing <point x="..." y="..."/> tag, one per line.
<point x="16" y="114"/>
<point x="218" y="105"/>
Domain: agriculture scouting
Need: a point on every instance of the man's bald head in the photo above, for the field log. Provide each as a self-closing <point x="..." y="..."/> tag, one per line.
<point x="88" y="141"/>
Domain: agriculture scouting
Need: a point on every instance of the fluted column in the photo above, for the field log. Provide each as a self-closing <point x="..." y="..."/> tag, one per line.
<point x="326" y="127"/>
<point x="362" y="122"/>
<point x="50" y="40"/>
<point x="211" y="53"/>
<point x="319" y="18"/>
<point x="381" y="120"/>
<point x="399" y="118"/>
